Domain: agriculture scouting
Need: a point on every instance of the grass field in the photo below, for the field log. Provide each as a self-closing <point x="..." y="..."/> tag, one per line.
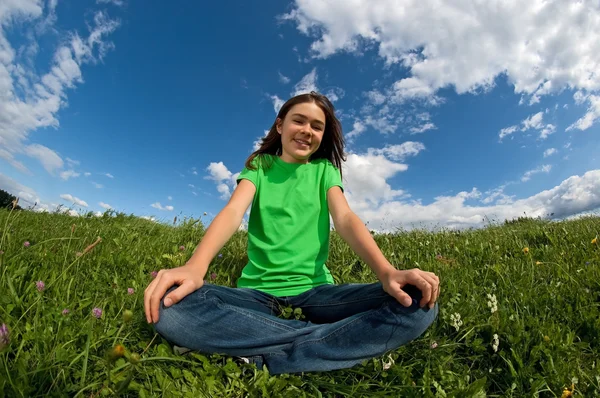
<point x="519" y="313"/>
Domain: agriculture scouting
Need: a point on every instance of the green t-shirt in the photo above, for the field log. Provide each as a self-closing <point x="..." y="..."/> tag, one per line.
<point x="288" y="229"/>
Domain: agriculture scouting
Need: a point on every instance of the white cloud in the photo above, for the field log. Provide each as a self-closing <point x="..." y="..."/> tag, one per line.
<point x="549" y="152"/>
<point x="65" y="175"/>
<point x="170" y="197"/>
<point x="108" y="175"/>
<point x="572" y="196"/>
<point x="593" y="114"/>
<point x="277" y="103"/>
<point x="507" y="131"/>
<point x="283" y="79"/>
<point x="191" y="186"/>
<point x="307" y="84"/>
<point x="9" y="157"/>
<point x="158" y="206"/>
<point x="87" y="174"/>
<point x="541" y="47"/>
<point x="542" y="169"/>
<point x="376" y="97"/>
<point x="24" y="193"/>
<point x="547" y="130"/>
<point x="29" y="101"/>
<point x="105" y="205"/>
<point x="218" y="171"/>
<point x="534" y="121"/>
<point x="423" y="128"/>
<point x="365" y="180"/>
<point x="498" y="196"/>
<point x="47" y="157"/>
<point x="98" y="186"/>
<point x="399" y="152"/>
<point x="413" y="88"/>
<point x="580" y="97"/>
<point x="357" y="129"/>
<point x="73" y="199"/>
<point x="365" y="174"/>
<point x="225" y="180"/>
<point x="256" y="144"/>
<point x="118" y="3"/>
<point x="72" y="163"/>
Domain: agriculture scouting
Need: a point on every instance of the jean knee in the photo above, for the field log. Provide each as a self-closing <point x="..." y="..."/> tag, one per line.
<point x="167" y="317"/>
<point x="419" y="318"/>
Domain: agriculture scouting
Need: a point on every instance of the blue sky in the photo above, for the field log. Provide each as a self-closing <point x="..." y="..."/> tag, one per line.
<point x="450" y="114"/>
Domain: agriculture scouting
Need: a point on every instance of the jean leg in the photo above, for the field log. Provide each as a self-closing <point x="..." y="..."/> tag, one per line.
<point x="374" y="324"/>
<point x="230" y="321"/>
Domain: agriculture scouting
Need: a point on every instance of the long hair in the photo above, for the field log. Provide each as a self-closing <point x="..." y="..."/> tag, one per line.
<point x="332" y="144"/>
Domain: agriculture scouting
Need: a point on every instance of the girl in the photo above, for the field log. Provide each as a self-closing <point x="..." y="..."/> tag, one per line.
<point x="294" y="183"/>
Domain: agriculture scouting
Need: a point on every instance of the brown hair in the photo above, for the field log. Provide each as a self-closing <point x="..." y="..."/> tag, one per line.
<point x="332" y="144"/>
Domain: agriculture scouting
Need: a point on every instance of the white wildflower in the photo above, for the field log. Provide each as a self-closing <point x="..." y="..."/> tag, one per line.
<point x="496" y="342"/>
<point x="388" y="364"/>
<point x="493" y="303"/>
<point x="456" y="321"/>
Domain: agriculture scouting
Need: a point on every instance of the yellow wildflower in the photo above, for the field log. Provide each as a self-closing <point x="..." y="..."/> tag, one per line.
<point x="538" y="263"/>
<point x="594" y="241"/>
<point x="116" y="352"/>
<point x="568" y="392"/>
<point x="526" y="250"/>
<point x="546" y="339"/>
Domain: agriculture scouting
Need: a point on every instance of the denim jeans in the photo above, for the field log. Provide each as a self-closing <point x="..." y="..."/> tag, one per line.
<point x="343" y="326"/>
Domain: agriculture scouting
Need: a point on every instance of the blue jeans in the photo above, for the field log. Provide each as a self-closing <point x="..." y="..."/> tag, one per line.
<point x="344" y="325"/>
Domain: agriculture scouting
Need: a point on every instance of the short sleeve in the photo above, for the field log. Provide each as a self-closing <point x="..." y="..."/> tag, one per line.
<point x="250" y="175"/>
<point x="332" y="177"/>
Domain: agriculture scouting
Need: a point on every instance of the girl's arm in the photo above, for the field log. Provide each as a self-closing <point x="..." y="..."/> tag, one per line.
<point x="222" y="227"/>
<point x="353" y="231"/>
<point x="358" y="237"/>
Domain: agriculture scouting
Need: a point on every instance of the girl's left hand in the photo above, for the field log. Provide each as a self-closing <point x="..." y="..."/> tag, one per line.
<point x="427" y="282"/>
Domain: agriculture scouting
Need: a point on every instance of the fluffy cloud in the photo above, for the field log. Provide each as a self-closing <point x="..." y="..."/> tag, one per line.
<point x="105" y="205"/>
<point x="158" y="206"/>
<point x="29" y="101"/>
<point x="541" y="47"/>
<point x="47" y="157"/>
<point x="575" y="195"/>
<point x="65" y="175"/>
<point x="283" y="79"/>
<point x="593" y="114"/>
<point x="534" y="121"/>
<point x="550" y="152"/>
<point x="24" y="193"/>
<point x="73" y="199"/>
<point x="542" y="169"/>
<point x="366" y="174"/>
<point x="256" y="144"/>
<point x="225" y="180"/>
<point x="307" y="84"/>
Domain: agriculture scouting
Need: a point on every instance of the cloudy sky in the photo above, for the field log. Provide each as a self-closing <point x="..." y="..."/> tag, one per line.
<point x="453" y="111"/>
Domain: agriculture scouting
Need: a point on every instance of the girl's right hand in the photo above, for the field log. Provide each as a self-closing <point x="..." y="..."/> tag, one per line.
<point x="188" y="279"/>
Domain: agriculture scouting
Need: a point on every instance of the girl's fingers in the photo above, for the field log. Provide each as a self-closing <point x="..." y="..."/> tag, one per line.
<point x="435" y="290"/>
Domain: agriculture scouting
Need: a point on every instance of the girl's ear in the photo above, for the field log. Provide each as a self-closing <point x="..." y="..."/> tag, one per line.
<point x="278" y="123"/>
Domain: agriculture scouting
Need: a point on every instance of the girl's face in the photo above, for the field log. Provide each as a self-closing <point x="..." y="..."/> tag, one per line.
<point x="301" y="132"/>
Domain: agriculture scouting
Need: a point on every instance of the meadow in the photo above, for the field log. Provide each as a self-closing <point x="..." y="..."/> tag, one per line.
<point x="519" y="312"/>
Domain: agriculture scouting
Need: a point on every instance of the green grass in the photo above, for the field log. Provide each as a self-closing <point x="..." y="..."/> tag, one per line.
<point x="547" y="318"/>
